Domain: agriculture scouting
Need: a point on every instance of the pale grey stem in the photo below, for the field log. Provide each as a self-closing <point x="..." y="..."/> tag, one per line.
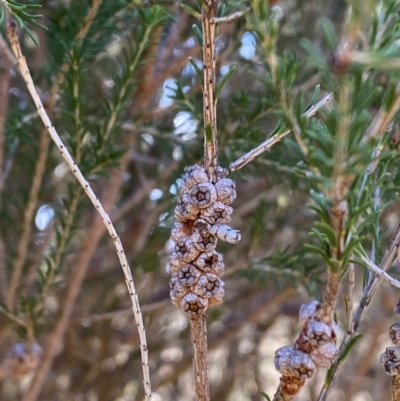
<point x="231" y="17"/>
<point x="350" y="298"/>
<point x="369" y="292"/>
<point x="94" y="199"/>
<point x="371" y="265"/>
<point x="267" y="144"/>
<point x="383" y="118"/>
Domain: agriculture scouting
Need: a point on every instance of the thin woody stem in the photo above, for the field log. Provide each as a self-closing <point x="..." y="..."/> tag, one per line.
<point x="268" y="143"/>
<point x="40" y="166"/>
<point x="209" y="12"/>
<point x="365" y="302"/>
<point x="198" y="324"/>
<point x="13" y="37"/>
<point x="396" y="388"/>
<point x="198" y="335"/>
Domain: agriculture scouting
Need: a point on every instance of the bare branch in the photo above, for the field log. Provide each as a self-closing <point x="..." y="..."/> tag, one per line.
<point x="92" y="196"/>
<point x="267" y="144"/>
<point x="209" y="101"/>
<point x="231" y="17"/>
<point x="369" y="291"/>
<point x="371" y="265"/>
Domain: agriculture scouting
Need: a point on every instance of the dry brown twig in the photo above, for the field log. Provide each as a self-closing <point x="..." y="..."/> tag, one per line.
<point x="13" y="37"/>
<point x="198" y="324"/>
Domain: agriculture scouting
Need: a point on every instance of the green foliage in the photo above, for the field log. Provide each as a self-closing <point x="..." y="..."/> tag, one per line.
<point x="21" y="13"/>
<point x="111" y="82"/>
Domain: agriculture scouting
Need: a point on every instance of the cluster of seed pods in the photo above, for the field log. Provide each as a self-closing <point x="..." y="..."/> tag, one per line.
<point x="21" y="360"/>
<point x="314" y="347"/>
<point x="202" y="215"/>
<point x="390" y="359"/>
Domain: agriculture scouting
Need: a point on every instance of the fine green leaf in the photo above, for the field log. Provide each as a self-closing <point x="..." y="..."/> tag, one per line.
<point x="224" y="80"/>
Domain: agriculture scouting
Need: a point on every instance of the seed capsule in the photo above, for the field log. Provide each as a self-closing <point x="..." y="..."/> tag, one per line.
<point x="225" y="233"/>
<point x="302" y="364"/>
<point x="188" y="275"/>
<point x="394" y="333"/>
<point x="210" y="262"/>
<point x="193" y="304"/>
<point x="210" y="286"/>
<point x="201" y="226"/>
<point x="175" y="262"/>
<point x="318" y="333"/>
<point x="193" y="175"/>
<point x="217" y="213"/>
<point x="186" y="250"/>
<point x="179" y="231"/>
<point x="177" y="290"/>
<point x="203" y="195"/>
<point x="390" y="361"/>
<point x="185" y="210"/>
<point x="20" y="360"/>
<point x="282" y="360"/>
<point x="307" y="311"/>
<point x="226" y="191"/>
<point x="324" y="355"/>
<point x="204" y="242"/>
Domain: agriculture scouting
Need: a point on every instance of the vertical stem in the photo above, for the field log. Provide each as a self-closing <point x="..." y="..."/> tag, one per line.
<point x="209" y="101"/>
<point x="396" y="388"/>
<point x="198" y="324"/>
<point x="198" y="335"/>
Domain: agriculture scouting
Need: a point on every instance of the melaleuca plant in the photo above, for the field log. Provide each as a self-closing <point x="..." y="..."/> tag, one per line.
<point x="155" y="110"/>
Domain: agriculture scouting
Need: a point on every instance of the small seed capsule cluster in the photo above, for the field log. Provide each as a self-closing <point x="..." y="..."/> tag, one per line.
<point x="202" y="215"/>
<point x="390" y="359"/>
<point x="21" y="360"/>
<point x="314" y="347"/>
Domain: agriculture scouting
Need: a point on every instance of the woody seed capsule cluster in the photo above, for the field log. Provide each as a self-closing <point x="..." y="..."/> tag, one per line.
<point x="21" y="360"/>
<point x="390" y="359"/>
<point x="314" y="347"/>
<point x="202" y="215"/>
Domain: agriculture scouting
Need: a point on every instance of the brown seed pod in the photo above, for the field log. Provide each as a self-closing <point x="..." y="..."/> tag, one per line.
<point x="21" y="360"/>
<point x="394" y="333"/>
<point x="210" y="286"/>
<point x="225" y="233"/>
<point x="226" y="190"/>
<point x="188" y="275"/>
<point x="192" y="176"/>
<point x="186" y="250"/>
<point x="177" y="290"/>
<point x="318" y="333"/>
<point x="201" y="226"/>
<point x="175" y="262"/>
<point x="180" y="230"/>
<point x="302" y="365"/>
<point x="204" y="242"/>
<point x="282" y="360"/>
<point x="203" y="195"/>
<point x="193" y="304"/>
<point x="390" y="361"/>
<point x="210" y="262"/>
<point x="307" y="311"/>
<point x="217" y="213"/>
<point x="185" y="210"/>
<point x="324" y="355"/>
<point x="397" y="307"/>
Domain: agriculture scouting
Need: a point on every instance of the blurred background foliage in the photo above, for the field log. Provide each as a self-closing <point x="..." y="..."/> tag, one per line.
<point x="117" y="82"/>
